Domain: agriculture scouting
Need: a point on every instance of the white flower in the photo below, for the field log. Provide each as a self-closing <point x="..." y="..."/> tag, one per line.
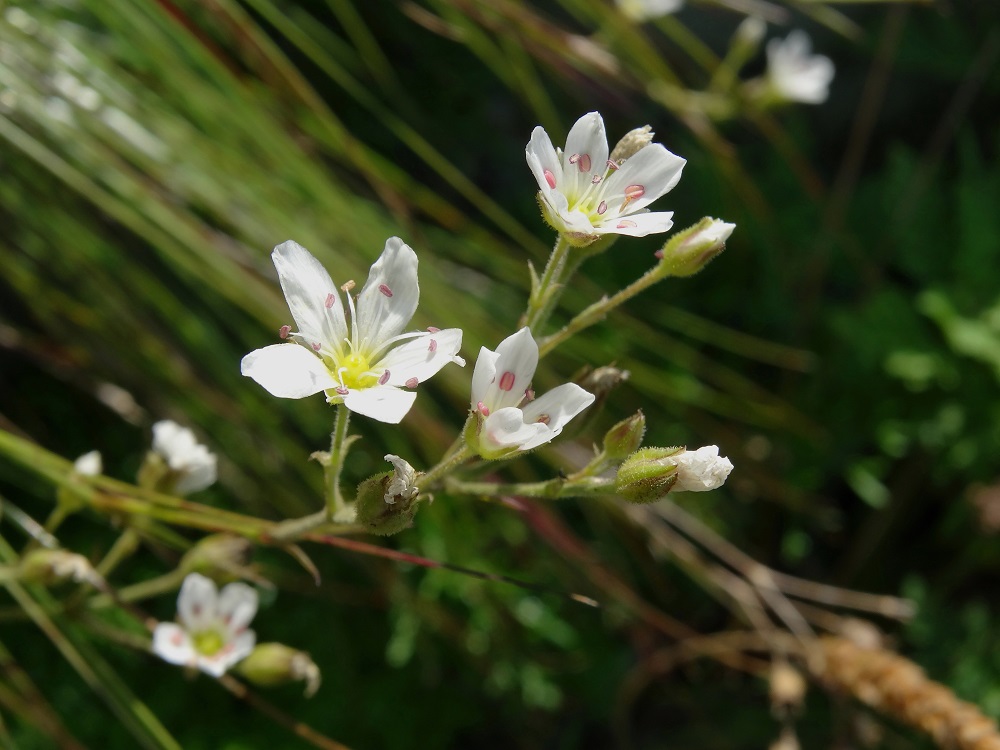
<point x="500" y="383"/>
<point x="701" y="470"/>
<point x="402" y="485"/>
<point x="89" y="464"/>
<point x="212" y="634"/>
<point x="585" y="195"/>
<point x="794" y="73"/>
<point x="192" y="465"/>
<point x="644" y="10"/>
<point x="355" y="366"/>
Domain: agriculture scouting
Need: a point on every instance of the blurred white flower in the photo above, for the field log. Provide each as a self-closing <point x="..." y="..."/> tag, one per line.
<point x="507" y="417"/>
<point x="212" y="634"/>
<point x="644" y="10"/>
<point x="89" y="464"/>
<point x="794" y="73"/>
<point x="191" y="464"/>
<point x="403" y="483"/>
<point x="701" y="470"/>
<point x="355" y="366"/>
<point x="585" y="194"/>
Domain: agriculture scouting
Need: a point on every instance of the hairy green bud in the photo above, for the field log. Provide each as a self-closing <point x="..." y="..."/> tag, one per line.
<point x="691" y="249"/>
<point x="625" y="437"/>
<point x="648" y="474"/>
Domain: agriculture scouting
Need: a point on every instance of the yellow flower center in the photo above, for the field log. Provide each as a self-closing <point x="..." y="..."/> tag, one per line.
<point x="354" y="371"/>
<point x="208" y="642"/>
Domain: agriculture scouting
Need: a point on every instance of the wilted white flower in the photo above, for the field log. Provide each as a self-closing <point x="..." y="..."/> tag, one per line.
<point x="644" y="10"/>
<point x="212" y="634"/>
<point x="402" y="485"/>
<point x="89" y="464"/>
<point x="192" y="466"/>
<point x="506" y="416"/>
<point x="584" y="194"/>
<point x="359" y="366"/>
<point x="794" y="73"/>
<point x="701" y="470"/>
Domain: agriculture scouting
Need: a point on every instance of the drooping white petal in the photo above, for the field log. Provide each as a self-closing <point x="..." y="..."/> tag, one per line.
<point x="517" y="358"/>
<point x="237" y="605"/>
<point x="638" y="225"/>
<point x="172" y="643"/>
<point x="557" y="407"/>
<point x="311" y="295"/>
<point x="542" y="157"/>
<point x="390" y="295"/>
<point x="506" y="428"/>
<point x="89" y="464"/>
<point x="287" y="371"/>
<point x="197" y="603"/>
<point x="483" y="375"/>
<point x="384" y="403"/>
<point x="653" y="168"/>
<point x="422" y="357"/>
<point x="586" y="154"/>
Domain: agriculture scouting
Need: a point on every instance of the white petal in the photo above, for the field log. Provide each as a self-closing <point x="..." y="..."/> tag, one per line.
<point x="89" y="464"/>
<point x="585" y="156"/>
<point x="173" y="442"/>
<point x="172" y="644"/>
<point x="384" y="403"/>
<point x="558" y="406"/>
<point x="308" y="289"/>
<point x="197" y="476"/>
<point x="242" y="646"/>
<point x="420" y="359"/>
<point x="638" y="225"/>
<point x="390" y="295"/>
<point x="197" y="603"/>
<point x="237" y="605"/>
<point x="287" y="371"/>
<point x="517" y="358"/>
<point x="701" y="470"/>
<point x="541" y="157"/>
<point x="506" y="428"/>
<point x="654" y="168"/>
<point x="483" y="374"/>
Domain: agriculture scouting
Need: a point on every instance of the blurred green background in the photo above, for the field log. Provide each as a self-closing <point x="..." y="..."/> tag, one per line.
<point x="844" y="352"/>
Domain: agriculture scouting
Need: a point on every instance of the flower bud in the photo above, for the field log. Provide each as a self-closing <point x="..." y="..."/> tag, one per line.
<point x="387" y="503"/>
<point x="625" y="437"/>
<point x="219" y="556"/>
<point x="89" y="464"/>
<point x="272" y="664"/>
<point x="49" y="566"/>
<point x="648" y="474"/>
<point x="632" y="143"/>
<point x="690" y="250"/>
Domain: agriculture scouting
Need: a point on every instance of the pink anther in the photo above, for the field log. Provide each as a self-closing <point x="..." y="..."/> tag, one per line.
<point x="506" y="381"/>
<point x="626" y="224"/>
<point x="482" y="409"/>
<point x="601" y="209"/>
<point x="412" y="383"/>
<point x="544" y="419"/>
<point x="330" y="299"/>
<point x="432" y="329"/>
<point x="612" y="165"/>
<point x="595" y="179"/>
<point x="632" y="192"/>
<point x="658" y="254"/>
<point x="550" y="178"/>
<point x="316" y="347"/>
<point x="284" y="331"/>
<point x="385" y="290"/>
<point x="529" y="395"/>
<point x="342" y="390"/>
<point x="432" y="346"/>
<point x="384" y="379"/>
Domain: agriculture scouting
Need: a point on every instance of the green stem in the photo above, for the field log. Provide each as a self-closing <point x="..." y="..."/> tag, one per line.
<point x="335" y="464"/>
<point x="546" y="295"/>
<point x="598" y="310"/>
<point x="143" y="590"/>
<point x="552" y="488"/>
<point x="445" y="466"/>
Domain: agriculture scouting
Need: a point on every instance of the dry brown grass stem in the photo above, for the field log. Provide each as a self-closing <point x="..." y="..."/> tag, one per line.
<point x="895" y="686"/>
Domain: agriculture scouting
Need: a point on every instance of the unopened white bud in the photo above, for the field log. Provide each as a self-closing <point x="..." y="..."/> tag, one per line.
<point x="701" y="470"/>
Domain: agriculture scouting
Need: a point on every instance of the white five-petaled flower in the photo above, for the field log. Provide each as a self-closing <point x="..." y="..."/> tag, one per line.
<point x="212" y="634"/>
<point x="644" y="10"/>
<point x="794" y="73"/>
<point x="701" y="470"/>
<point x="585" y="194"/>
<point x="192" y="465"/>
<point x="359" y="366"/>
<point x="507" y="417"/>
